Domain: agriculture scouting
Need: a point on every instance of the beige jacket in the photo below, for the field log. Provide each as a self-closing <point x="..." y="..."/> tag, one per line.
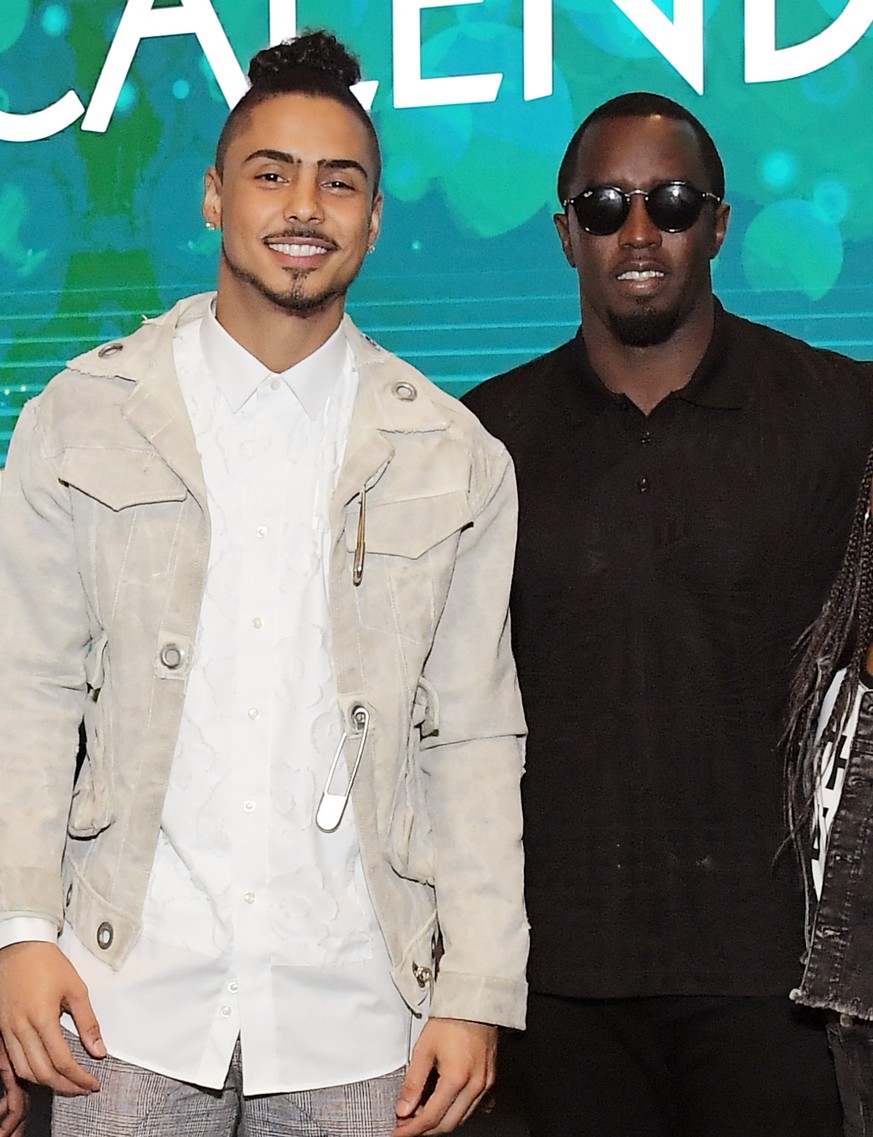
<point x="104" y="533"/>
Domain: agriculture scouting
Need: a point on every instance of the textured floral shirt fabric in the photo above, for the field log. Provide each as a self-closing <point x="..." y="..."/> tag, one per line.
<point x="256" y="923"/>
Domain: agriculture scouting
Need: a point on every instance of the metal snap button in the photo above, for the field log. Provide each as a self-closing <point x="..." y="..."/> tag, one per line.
<point x="110" y="349"/>
<point x="105" y="935"/>
<point x="846" y="1020"/>
<point x="405" y="392"/>
<point x="172" y="656"/>
<point x="423" y="975"/>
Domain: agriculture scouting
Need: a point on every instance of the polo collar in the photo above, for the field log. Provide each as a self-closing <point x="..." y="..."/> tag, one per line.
<point x="719" y="381"/>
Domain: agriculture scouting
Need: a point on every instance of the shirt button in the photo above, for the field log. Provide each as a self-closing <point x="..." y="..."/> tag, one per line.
<point x="643" y="485"/>
<point x="249" y="806"/>
<point x="646" y="438"/>
<point x="225" y="1012"/>
<point x="254" y="713"/>
<point x="257" y="622"/>
<point x="261" y="530"/>
<point x="233" y="987"/>
<point x="249" y="898"/>
<point x="275" y="384"/>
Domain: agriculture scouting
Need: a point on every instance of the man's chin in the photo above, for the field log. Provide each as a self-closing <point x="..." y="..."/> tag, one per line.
<point x="645" y="327"/>
<point x="297" y="304"/>
<point x="298" y="299"/>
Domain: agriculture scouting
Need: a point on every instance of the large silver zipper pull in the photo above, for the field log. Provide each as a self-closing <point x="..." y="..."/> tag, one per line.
<point x="332" y="806"/>
<point x="360" y="544"/>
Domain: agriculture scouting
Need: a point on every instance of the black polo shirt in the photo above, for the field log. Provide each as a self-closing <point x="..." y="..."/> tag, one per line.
<point x="666" y="566"/>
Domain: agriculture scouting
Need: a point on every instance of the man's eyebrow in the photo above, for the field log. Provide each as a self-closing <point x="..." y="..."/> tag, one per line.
<point x="342" y="164"/>
<point x="323" y="164"/>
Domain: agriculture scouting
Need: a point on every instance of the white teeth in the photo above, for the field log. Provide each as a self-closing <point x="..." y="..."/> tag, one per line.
<point x="649" y="274"/>
<point x="298" y="250"/>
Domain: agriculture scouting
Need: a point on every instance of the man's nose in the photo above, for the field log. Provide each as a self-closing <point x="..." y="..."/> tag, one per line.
<point x="302" y="199"/>
<point x="639" y="230"/>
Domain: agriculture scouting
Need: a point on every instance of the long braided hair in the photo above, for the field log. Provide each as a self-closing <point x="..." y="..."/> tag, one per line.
<point x="840" y="636"/>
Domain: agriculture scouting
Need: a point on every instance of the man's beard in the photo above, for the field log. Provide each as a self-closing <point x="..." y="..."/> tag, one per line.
<point x="293" y="299"/>
<point x="644" y="327"/>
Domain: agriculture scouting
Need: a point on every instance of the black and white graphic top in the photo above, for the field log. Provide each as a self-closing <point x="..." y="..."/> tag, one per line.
<point x="832" y="774"/>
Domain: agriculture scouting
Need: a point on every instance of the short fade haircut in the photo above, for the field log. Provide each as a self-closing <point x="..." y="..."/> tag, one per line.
<point x="314" y="64"/>
<point x="644" y="104"/>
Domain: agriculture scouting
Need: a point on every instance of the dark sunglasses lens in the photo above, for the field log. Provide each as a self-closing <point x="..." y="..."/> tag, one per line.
<point x="601" y="211"/>
<point x="674" y="207"/>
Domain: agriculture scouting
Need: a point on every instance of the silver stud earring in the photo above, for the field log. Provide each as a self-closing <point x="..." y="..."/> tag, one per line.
<point x="371" y="249"/>
<point x="210" y="226"/>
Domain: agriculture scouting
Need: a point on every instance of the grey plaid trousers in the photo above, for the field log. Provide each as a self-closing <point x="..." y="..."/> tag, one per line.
<point x="138" y="1103"/>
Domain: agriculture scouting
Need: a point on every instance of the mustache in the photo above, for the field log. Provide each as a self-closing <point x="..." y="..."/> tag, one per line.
<point x="302" y="233"/>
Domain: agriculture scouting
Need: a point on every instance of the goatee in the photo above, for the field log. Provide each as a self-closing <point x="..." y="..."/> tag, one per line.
<point x="645" y="327"/>
<point x="293" y="299"/>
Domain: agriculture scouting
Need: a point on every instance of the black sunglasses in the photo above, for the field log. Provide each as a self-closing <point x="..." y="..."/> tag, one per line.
<point x="672" y="206"/>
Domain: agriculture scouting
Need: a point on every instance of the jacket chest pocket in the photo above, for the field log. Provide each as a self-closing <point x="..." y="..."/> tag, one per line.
<point x="128" y="504"/>
<point x="410" y="547"/>
<point x="121" y="478"/>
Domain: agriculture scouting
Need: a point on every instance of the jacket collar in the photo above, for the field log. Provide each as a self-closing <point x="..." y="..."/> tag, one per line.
<point x="155" y="406"/>
<point x="393" y="398"/>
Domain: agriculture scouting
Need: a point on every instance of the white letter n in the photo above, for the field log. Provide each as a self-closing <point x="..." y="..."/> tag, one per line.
<point x="679" y="40"/>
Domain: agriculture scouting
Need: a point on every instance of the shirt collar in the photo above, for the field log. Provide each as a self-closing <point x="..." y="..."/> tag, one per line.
<point x="720" y="379"/>
<point x="238" y="374"/>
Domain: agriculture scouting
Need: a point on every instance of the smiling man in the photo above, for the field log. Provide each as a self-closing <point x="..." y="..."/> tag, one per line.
<point x="268" y="564"/>
<point x="686" y="484"/>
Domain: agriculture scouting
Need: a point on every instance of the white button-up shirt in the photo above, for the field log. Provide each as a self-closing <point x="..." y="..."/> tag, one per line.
<point x="257" y="924"/>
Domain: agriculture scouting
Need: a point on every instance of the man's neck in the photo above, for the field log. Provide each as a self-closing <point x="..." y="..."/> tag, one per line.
<point x="647" y="375"/>
<point x="278" y="338"/>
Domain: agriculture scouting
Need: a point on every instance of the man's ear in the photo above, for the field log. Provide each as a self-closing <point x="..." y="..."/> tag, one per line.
<point x="722" y="216"/>
<point x="376" y="218"/>
<point x="562" y="224"/>
<point x="211" y="207"/>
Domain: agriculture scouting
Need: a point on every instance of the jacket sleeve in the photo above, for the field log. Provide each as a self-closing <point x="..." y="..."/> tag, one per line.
<point x="44" y="634"/>
<point x="472" y="768"/>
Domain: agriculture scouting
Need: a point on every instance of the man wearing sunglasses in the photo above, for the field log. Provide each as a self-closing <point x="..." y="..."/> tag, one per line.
<point x="686" y="483"/>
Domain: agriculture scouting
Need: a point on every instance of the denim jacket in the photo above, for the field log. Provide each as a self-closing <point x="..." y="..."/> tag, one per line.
<point x="838" y="971"/>
<point x="104" y="536"/>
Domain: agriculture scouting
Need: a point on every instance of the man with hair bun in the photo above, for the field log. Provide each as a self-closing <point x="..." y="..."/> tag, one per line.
<point x="268" y="564"/>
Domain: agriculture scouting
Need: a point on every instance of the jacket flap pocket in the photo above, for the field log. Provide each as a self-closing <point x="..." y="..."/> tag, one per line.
<point x="121" y="478"/>
<point x="411" y="526"/>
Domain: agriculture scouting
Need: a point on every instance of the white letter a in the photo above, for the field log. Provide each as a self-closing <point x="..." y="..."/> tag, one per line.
<point x="139" y="21"/>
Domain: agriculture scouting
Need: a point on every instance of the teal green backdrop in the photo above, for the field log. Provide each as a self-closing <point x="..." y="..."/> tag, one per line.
<point x="100" y="228"/>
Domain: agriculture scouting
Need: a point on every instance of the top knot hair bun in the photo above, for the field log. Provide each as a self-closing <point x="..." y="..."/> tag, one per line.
<point x="311" y="51"/>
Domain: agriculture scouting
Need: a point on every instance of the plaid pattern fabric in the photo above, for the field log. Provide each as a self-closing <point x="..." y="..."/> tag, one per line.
<point x="138" y="1103"/>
